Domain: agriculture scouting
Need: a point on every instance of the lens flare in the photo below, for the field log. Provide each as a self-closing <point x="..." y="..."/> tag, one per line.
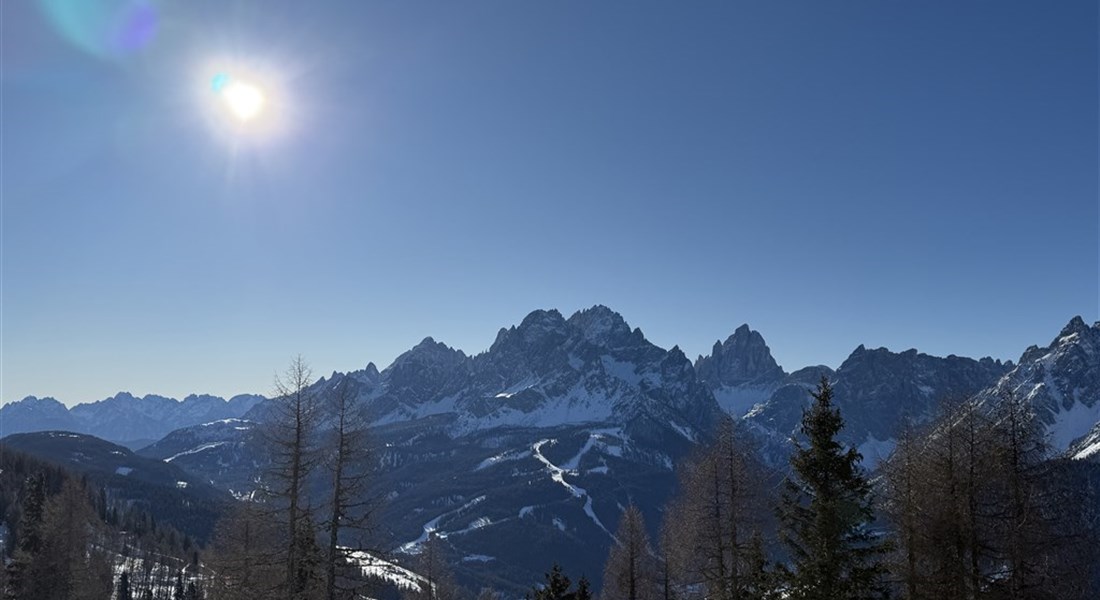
<point x="104" y="28"/>
<point x="219" y="82"/>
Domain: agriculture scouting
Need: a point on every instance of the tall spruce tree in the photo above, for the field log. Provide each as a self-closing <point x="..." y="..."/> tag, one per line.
<point x="826" y="513"/>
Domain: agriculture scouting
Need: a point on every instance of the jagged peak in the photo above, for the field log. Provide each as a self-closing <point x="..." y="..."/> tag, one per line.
<point x="542" y="318"/>
<point x="28" y="400"/>
<point x="743" y="358"/>
<point x="197" y="398"/>
<point x="427" y="348"/>
<point x="1075" y="325"/>
<point x="599" y="322"/>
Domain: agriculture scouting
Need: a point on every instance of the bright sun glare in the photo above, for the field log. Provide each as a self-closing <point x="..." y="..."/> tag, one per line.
<point x="244" y="100"/>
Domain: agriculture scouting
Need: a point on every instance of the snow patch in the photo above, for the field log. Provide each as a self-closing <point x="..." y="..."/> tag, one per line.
<point x="502" y="457"/>
<point x="373" y="566"/>
<point x="739" y="400"/>
<point x="1071" y="424"/>
<point x="875" y="451"/>
<point x="196" y="450"/>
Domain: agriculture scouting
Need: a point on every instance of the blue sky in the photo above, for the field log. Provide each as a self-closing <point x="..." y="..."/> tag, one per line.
<point x="917" y="174"/>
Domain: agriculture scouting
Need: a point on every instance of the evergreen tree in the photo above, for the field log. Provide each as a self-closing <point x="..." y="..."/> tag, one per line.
<point x="29" y="540"/>
<point x="124" y="587"/>
<point x="179" y="589"/>
<point x="194" y="592"/>
<point x="584" y="590"/>
<point x="826" y="512"/>
<point x="556" y="586"/>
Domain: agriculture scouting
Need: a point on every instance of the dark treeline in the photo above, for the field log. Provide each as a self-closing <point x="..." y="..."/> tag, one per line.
<point x="67" y="538"/>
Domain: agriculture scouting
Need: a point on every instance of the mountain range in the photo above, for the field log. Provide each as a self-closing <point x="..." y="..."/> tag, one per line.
<point x="532" y="448"/>
<point x="123" y="418"/>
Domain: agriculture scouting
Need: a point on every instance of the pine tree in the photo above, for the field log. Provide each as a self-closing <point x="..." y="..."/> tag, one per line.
<point x="583" y="591"/>
<point x="178" y="592"/>
<point x="556" y="586"/>
<point x="29" y="542"/>
<point x="194" y="592"/>
<point x="826" y="513"/>
<point x="124" y="587"/>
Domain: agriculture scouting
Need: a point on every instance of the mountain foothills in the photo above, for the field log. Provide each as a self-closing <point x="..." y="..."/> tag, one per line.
<point x="533" y="450"/>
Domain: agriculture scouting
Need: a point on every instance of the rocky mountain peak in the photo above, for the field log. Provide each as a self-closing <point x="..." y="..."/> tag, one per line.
<point x="1075" y="325"/>
<point x="599" y="324"/>
<point x="743" y="359"/>
<point x="429" y="351"/>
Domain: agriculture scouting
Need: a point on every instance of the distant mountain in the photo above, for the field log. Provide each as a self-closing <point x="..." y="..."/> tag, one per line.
<point x="222" y="451"/>
<point x="1061" y="381"/>
<point x="35" y="414"/>
<point x="740" y="371"/>
<point x="186" y="501"/>
<point x="875" y="391"/>
<point x="123" y="418"/>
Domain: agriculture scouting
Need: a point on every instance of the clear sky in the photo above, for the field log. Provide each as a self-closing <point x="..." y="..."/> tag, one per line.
<point x="899" y="174"/>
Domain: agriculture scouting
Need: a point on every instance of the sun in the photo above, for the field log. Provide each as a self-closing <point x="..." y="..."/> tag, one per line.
<point x="244" y="100"/>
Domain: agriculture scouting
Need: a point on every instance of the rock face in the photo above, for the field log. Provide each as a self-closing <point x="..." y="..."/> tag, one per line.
<point x="1061" y="381"/>
<point x="122" y="418"/>
<point x="740" y="372"/>
<point x="743" y="359"/>
<point x="875" y="391"/>
<point x="548" y="371"/>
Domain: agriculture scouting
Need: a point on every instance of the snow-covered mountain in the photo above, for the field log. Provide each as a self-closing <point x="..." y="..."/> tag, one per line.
<point x="1061" y="381"/>
<point x="875" y="390"/>
<point x="122" y="418"/>
<point x="548" y="371"/>
<point x="545" y="436"/>
<point x="740" y="371"/>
